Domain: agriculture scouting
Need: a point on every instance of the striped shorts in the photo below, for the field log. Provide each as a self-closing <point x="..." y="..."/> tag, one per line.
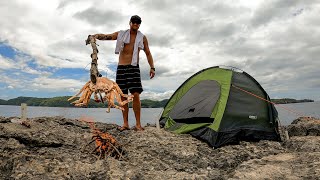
<point x="128" y="78"/>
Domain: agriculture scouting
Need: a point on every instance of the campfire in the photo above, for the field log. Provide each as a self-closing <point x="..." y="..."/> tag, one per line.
<point x="105" y="144"/>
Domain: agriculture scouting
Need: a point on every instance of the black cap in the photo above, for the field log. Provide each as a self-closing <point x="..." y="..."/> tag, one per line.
<point x="135" y="19"/>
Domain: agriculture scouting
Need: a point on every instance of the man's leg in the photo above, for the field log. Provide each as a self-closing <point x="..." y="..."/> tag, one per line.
<point x="125" y="115"/>
<point x="136" y="104"/>
<point x="120" y="80"/>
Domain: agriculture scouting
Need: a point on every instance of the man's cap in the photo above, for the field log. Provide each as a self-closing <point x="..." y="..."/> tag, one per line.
<point x="135" y="18"/>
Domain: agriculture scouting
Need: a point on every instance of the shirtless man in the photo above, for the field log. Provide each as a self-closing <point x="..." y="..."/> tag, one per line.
<point x="129" y="44"/>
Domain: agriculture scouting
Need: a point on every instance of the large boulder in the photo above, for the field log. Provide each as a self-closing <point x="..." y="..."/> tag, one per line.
<point x="304" y="126"/>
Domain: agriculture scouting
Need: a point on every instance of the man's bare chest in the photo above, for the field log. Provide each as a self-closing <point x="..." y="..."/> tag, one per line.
<point x="128" y="48"/>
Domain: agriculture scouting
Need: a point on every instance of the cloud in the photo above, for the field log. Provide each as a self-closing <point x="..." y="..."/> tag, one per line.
<point x="51" y="84"/>
<point x="97" y="17"/>
<point x="6" y="63"/>
<point x="275" y="41"/>
<point x="157" y="96"/>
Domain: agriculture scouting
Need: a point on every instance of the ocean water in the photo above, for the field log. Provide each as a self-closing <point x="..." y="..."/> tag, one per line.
<point x="290" y="112"/>
<point x="287" y="113"/>
<point x="148" y="115"/>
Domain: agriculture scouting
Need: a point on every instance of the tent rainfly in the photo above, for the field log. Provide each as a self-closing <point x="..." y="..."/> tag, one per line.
<point x="220" y="106"/>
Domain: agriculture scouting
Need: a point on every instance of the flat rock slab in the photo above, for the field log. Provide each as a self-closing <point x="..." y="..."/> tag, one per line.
<point x="55" y="148"/>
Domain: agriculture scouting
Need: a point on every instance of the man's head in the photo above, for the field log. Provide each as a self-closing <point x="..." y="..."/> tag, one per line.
<point x="135" y="22"/>
<point x="135" y="19"/>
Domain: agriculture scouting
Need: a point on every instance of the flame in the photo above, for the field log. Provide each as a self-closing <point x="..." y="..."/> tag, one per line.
<point x="102" y="139"/>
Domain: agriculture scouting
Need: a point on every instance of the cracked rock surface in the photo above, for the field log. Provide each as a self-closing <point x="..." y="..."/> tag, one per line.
<point x="54" y="148"/>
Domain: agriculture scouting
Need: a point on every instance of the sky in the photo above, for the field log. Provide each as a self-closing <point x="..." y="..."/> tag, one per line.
<point x="43" y="51"/>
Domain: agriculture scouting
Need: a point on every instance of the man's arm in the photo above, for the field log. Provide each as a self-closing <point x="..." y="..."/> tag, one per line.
<point x="112" y="36"/>
<point x="149" y="57"/>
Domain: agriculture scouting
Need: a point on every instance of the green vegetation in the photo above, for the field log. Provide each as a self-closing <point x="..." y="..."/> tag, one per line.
<point x="61" y="101"/>
<point x="289" y="100"/>
<point x="2" y="101"/>
<point x="147" y="103"/>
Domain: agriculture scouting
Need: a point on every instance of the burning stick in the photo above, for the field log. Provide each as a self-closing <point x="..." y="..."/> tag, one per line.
<point x="106" y="144"/>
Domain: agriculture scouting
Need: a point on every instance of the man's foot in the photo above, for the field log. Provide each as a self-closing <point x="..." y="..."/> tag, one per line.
<point x="123" y="128"/>
<point x="137" y="128"/>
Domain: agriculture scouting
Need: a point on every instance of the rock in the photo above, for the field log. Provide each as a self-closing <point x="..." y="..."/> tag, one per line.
<point x="55" y="148"/>
<point x="281" y="166"/>
<point x="303" y="144"/>
<point x="4" y="120"/>
<point x="304" y="126"/>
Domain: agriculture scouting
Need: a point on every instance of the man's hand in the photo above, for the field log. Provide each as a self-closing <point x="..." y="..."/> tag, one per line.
<point x="88" y="40"/>
<point x="152" y="73"/>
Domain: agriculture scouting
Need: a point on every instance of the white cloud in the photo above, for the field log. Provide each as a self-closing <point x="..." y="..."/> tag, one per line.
<point x="275" y="41"/>
<point x="156" y="96"/>
<point x="50" y="84"/>
<point x="6" y="63"/>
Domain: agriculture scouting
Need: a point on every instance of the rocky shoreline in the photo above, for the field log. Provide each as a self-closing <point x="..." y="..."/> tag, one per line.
<point x="54" y="148"/>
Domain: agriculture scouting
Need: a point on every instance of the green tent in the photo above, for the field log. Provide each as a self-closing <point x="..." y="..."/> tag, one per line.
<point x="221" y="106"/>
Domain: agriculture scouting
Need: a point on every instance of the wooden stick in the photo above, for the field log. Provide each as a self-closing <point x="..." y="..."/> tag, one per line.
<point x="117" y="150"/>
<point x="23" y="111"/>
<point x="94" y="73"/>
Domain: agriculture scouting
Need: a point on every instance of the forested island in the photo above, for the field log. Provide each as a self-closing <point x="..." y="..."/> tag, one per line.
<point x="289" y="100"/>
<point x="61" y="101"/>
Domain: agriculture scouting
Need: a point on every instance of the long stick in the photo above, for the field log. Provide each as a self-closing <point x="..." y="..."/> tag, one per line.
<point x="94" y="73"/>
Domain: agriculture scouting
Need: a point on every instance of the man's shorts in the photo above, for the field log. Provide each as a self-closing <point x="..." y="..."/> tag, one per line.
<point x="128" y="78"/>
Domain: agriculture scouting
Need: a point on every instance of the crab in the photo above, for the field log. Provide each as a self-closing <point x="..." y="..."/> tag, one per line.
<point x="105" y="86"/>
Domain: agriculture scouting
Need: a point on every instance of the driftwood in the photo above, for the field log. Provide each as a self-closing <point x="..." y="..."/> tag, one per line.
<point x="94" y="73"/>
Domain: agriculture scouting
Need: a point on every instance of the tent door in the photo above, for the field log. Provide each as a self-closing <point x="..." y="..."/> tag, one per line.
<point x="197" y="104"/>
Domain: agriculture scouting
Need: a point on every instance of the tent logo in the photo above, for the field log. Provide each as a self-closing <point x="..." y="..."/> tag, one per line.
<point x="253" y="117"/>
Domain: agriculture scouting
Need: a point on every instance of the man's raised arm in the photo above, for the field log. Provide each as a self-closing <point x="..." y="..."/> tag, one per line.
<point x="112" y="36"/>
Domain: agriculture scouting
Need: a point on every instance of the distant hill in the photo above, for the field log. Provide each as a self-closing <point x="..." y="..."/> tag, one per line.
<point x="2" y="101"/>
<point x="147" y="103"/>
<point x="289" y="100"/>
<point x="61" y="101"/>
